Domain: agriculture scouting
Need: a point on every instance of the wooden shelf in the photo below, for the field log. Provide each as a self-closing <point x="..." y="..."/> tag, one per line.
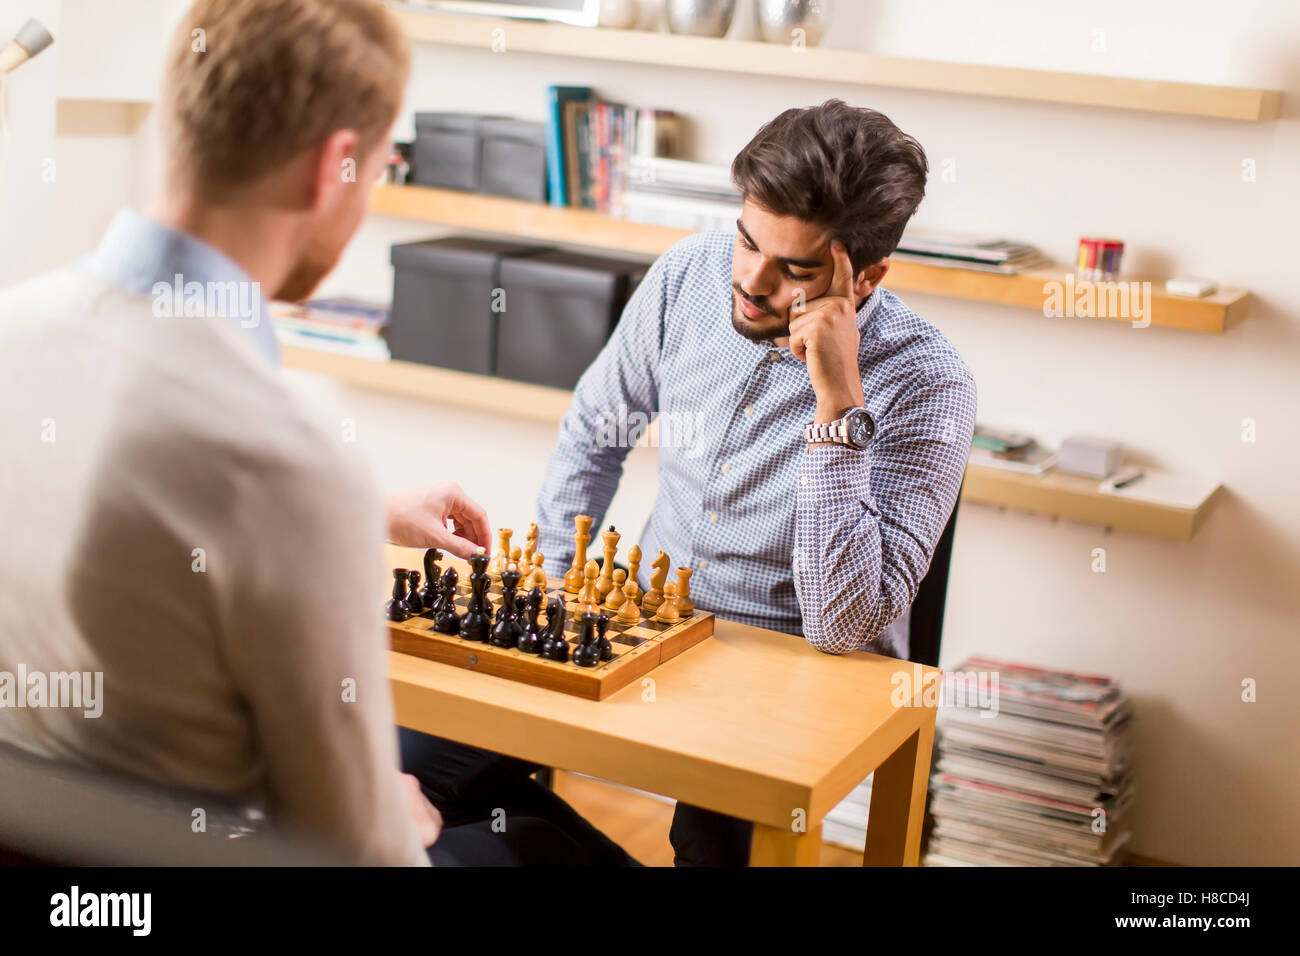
<point x="529" y="220"/>
<point x="1053" y="494"/>
<point x="1076" y="498"/>
<point x="780" y="61"/>
<point x="585" y="228"/>
<point x="482" y="393"/>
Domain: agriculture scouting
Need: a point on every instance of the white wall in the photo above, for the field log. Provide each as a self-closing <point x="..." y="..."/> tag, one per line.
<point x="1180" y="624"/>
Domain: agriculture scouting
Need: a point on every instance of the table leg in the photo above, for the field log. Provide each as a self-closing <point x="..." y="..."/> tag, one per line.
<point x="898" y="801"/>
<point x="781" y="846"/>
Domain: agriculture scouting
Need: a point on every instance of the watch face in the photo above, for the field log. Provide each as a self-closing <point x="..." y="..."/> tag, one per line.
<point x="859" y="427"/>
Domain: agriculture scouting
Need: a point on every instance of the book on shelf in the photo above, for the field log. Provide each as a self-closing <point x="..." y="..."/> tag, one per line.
<point x="559" y="98"/>
<point x="344" y="326"/>
<point x="1031" y="460"/>
<point x="954" y="251"/>
<point x="589" y="143"/>
<point x="681" y="194"/>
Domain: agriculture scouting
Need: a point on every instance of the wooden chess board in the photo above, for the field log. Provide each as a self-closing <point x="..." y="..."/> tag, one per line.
<point x="638" y="648"/>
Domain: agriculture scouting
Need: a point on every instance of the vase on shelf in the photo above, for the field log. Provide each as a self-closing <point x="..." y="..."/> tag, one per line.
<point x="779" y="19"/>
<point x="619" y="14"/>
<point x="701" y="18"/>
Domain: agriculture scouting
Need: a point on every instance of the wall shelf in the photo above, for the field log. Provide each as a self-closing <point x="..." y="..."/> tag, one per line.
<point x="482" y="393"/>
<point x="586" y="228"/>
<point x="841" y="67"/>
<point x="1054" y="494"/>
<point x="1077" y="498"/>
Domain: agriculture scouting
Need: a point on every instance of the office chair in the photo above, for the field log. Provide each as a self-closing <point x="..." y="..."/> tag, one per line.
<point x="926" y="626"/>
<point x="58" y="813"/>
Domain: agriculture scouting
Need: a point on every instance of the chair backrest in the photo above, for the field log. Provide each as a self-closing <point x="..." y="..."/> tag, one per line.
<point x="926" y="626"/>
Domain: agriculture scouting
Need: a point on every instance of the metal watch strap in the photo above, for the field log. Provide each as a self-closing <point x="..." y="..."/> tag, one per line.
<point x="817" y="432"/>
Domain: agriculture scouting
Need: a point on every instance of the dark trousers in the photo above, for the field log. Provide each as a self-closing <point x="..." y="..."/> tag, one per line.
<point x="495" y="814"/>
<point x="472" y="788"/>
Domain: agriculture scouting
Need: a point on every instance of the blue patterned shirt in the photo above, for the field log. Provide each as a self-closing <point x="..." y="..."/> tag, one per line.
<point x="825" y="541"/>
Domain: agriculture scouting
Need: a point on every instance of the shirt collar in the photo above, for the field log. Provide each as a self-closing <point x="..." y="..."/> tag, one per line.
<point x="183" y="274"/>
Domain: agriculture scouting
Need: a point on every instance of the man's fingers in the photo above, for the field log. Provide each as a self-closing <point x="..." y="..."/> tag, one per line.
<point x="842" y="279"/>
<point x="471" y="518"/>
<point x="453" y="542"/>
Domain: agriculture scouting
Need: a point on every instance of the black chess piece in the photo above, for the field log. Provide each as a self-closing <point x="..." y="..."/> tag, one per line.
<point x="530" y="640"/>
<point x="554" y="646"/>
<point x="429" y="593"/>
<point x="414" y="604"/>
<point x="447" y="621"/>
<point x="505" y="633"/>
<point x="450" y="575"/>
<point x="587" y="653"/>
<point x="476" y="623"/>
<point x="396" y="609"/>
<point x="602" y="642"/>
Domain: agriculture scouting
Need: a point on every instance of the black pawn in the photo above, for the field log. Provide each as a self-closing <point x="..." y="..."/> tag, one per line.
<point x="447" y="621"/>
<point x="477" y="622"/>
<point x="429" y="593"/>
<point x="396" y="609"/>
<point x="530" y="640"/>
<point x="555" y="647"/>
<point x="587" y="654"/>
<point x="505" y="633"/>
<point x="602" y="642"/>
<point x="414" y="604"/>
<point x="452" y="577"/>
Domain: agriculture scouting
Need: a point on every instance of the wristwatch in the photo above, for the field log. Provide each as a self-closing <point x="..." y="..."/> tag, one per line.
<point x="853" y="429"/>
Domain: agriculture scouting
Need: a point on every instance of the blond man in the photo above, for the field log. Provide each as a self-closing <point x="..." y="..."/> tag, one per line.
<point x="174" y="520"/>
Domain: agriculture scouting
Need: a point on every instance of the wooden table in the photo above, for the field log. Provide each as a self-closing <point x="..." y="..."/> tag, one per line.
<point x="751" y="723"/>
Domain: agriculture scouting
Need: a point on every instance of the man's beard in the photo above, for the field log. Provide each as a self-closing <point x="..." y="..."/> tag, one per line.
<point x="756" y="330"/>
<point x="305" y="277"/>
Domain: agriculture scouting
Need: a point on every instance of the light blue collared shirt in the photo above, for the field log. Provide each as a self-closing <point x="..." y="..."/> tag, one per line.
<point x="829" y="542"/>
<point x="184" y="275"/>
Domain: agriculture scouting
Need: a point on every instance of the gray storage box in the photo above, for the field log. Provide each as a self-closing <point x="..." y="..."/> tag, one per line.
<point x="513" y="159"/>
<point x="447" y="150"/>
<point x="442" y="301"/>
<point x="560" y="309"/>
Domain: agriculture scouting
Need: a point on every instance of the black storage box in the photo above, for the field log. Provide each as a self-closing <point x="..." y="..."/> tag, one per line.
<point x="513" y="159"/>
<point x="443" y="295"/>
<point x="447" y="151"/>
<point x="560" y="309"/>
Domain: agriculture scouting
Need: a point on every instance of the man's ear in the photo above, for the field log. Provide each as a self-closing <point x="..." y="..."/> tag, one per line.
<point x="870" y="277"/>
<point x="337" y="167"/>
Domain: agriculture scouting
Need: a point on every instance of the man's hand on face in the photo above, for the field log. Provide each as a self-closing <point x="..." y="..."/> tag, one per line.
<point x="418" y="519"/>
<point x="825" y="336"/>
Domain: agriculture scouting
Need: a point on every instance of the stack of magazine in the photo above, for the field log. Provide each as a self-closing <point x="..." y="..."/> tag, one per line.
<point x="846" y="824"/>
<point x="1039" y="775"/>
<point x="350" y="327"/>
<point x="680" y="194"/>
<point x="1010" y="450"/>
<point x="959" y="252"/>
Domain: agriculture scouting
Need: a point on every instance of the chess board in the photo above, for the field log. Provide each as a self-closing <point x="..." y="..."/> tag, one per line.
<point x="638" y="648"/>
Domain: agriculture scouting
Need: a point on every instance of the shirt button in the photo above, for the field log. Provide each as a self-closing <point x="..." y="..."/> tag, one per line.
<point x="701" y="564"/>
<point x="774" y="356"/>
<point x="749" y="410"/>
<point x="713" y="517"/>
<point x="803" y="479"/>
<point x="725" y="466"/>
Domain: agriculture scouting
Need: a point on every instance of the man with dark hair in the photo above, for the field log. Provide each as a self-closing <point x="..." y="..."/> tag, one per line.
<point x="824" y="443"/>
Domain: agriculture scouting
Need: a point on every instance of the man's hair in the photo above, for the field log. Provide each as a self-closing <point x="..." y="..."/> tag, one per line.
<point x="849" y="170"/>
<point x="251" y="84"/>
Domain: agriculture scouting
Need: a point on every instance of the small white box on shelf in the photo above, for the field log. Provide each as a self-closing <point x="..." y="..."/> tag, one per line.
<point x="1090" y="457"/>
